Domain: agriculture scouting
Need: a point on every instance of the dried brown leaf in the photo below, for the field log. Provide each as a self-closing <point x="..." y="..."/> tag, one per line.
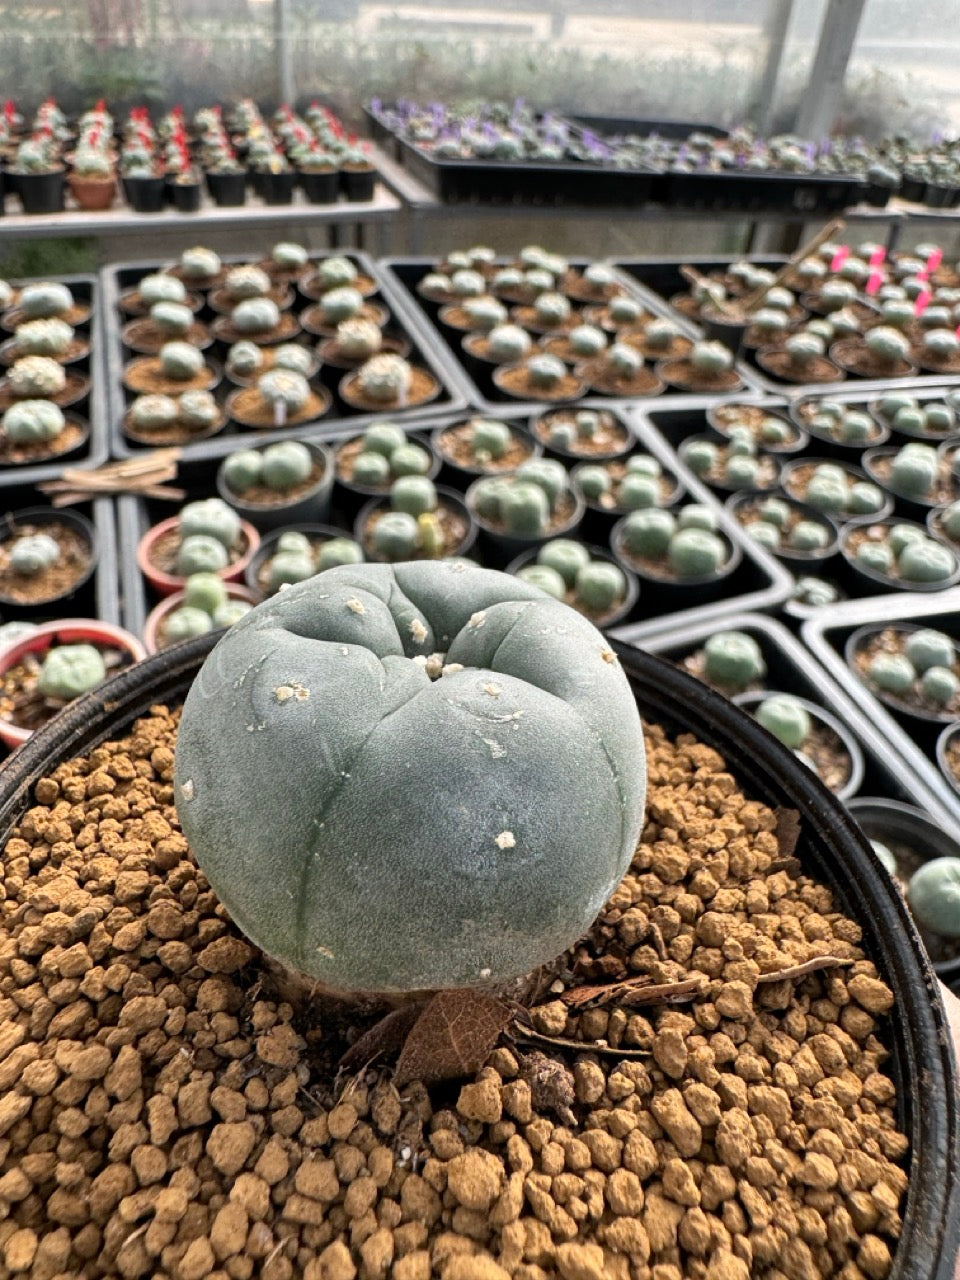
<point x="452" y="1037"/>
<point x="787" y="832"/>
<point x="800" y="970"/>
<point x="383" y="1040"/>
<point x="634" y="991"/>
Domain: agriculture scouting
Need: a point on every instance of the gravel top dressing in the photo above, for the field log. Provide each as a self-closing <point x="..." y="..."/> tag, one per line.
<point x="696" y="1090"/>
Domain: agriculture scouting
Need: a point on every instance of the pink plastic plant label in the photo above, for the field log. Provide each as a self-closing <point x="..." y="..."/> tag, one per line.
<point x="923" y="301"/>
<point x="840" y="257"/>
<point x="874" y="283"/>
<point x="878" y="257"/>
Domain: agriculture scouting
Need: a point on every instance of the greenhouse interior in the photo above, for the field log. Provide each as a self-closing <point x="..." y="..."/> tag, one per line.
<point x="480" y="640"/>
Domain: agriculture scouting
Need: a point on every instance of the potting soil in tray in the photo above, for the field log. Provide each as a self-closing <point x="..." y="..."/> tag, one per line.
<point x="165" y="1113"/>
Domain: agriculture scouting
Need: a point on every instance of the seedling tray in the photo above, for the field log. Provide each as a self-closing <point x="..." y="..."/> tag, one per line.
<point x="913" y="743"/>
<point x="16" y="481"/>
<point x="117" y="279"/>
<point x="792" y="669"/>
<point x="527" y="182"/>
<point x="476" y="382"/>
<point x="747" y="191"/>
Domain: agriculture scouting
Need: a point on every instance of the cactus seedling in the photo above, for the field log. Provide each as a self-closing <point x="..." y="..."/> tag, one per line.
<point x="710" y="358"/>
<point x="525" y="509"/>
<point x="71" y="670"/>
<point x="200" y="553"/>
<point x="733" y="659"/>
<point x="939" y="685"/>
<point x="768" y="535"/>
<point x="804" y="348"/>
<point x="385" y="379"/>
<point x="875" y="556"/>
<point x="786" y="718"/>
<point x="171" y="318"/>
<point x="701" y="456"/>
<point x="198" y="263"/>
<point x="341" y="304"/>
<point x="198" y="409"/>
<point x="212" y="518"/>
<point x="594" y="482"/>
<point x="924" y="560"/>
<point x="180" y="361"/>
<point x="289" y="256"/>
<point x="395" y="536"/>
<point x="246" y="282"/>
<point x="808" y="535"/>
<point x="205" y="591"/>
<point x="36" y="377"/>
<point x="587" y="340"/>
<point x="696" y="553"/>
<point x="547" y="579"/>
<point x="660" y="334"/>
<point x="913" y="470"/>
<point x="537" y="891"/>
<point x="624" y="310"/>
<point x="508" y="343"/>
<point x="186" y="622"/>
<point x="32" y="554"/>
<point x="927" y="648"/>
<point x="335" y="272"/>
<point x="42" y="301"/>
<point x="231" y="612"/>
<point x="337" y="551"/>
<point x="891" y="672"/>
<point x="285" y="465"/>
<point x="940" y="344"/>
<point x="545" y="371"/>
<point x="599" y="587"/>
<point x="245" y="359"/>
<point x="32" y="422"/>
<point x="566" y="557"/>
<point x="491" y="439"/>
<point x="414" y="495"/>
<point x="934" y="896"/>
<point x="888" y="346"/>
<point x="466" y="283"/>
<point x="242" y="470"/>
<point x="648" y="533"/>
<point x="291" y="356"/>
<point x="43" y="338"/>
<point x="637" y="491"/>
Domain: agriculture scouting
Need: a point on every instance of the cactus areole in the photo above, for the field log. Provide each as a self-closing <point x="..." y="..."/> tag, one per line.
<point x="410" y="777"/>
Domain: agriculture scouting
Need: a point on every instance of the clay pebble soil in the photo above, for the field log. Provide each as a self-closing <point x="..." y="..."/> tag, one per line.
<point x="163" y="1113"/>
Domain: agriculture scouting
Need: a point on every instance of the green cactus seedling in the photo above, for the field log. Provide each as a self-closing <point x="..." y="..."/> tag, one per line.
<point x="927" y="648"/>
<point x="395" y="536"/>
<point x="600" y="587"/>
<point x="413" y="495"/>
<point x="71" y="670"/>
<point x="696" y="553"/>
<point x="186" y="622"/>
<point x="547" y="579"/>
<point x="339" y="551"/>
<point x="926" y="561"/>
<point x="934" y="896"/>
<point x="939" y="685"/>
<point x="33" y="553"/>
<point x="205" y="591"/>
<point x="733" y="659"/>
<point x="231" y="612"/>
<point x="565" y="556"/>
<point x="891" y="672"/>
<point x="786" y="718"/>
<point x="285" y="465"/>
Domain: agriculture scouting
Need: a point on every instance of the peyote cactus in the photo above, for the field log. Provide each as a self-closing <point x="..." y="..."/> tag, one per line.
<point x="205" y="591"/>
<point x="600" y="587"/>
<point x="413" y="495"/>
<point x="246" y="282"/>
<point x="587" y="340"/>
<point x="242" y="470"/>
<point x="180" y="362"/>
<point x="623" y="361"/>
<point x="913" y="470"/>
<point x="198" y="409"/>
<point x="701" y="456"/>
<point x="286" y="388"/>
<point x="200" y="553"/>
<point x="508" y="892"/>
<point x="525" y="509"/>
<point x="484" y="313"/>
<point x="647" y="534"/>
<point x="939" y="685"/>
<point x="803" y="348"/>
<point x="769" y="322"/>
<point x="552" y="309"/>
<point x="940" y="344"/>
<point x="508" y="343"/>
<point x="45" y="301"/>
<point x="341" y="304"/>
<point x="467" y="283"/>
<point x="153" y="413"/>
<point x="161" y="287"/>
<point x="198" y="263"/>
<point x="768" y="535"/>
<point x="186" y="622"/>
<point x="36" y="377"/>
<point x="696" y="553"/>
<point x="171" y="318"/>
<point x="32" y="422"/>
<point x="926" y="561"/>
<point x="359" y="339"/>
<point x="338" y="551"/>
<point x="255" y="315"/>
<point x="808" y="535"/>
<point x="211" y="517"/>
<point x="566" y="557"/>
<point x="335" y="272"/>
<point x="786" y="718"/>
<point x="43" y="338"/>
<point x="875" y="556"/>
<point x="625" y="311"/>
<point x="244" y="359"/>
<point x="709" y="359"/>
<point x="291" y="356"/>
<point x="888" y="346"/>
<point x="638" y="491"/>
<point x="934" y="896"/>
<point x="386" y="379"/>
<point x="491" y="439"/>
<point x="435" y="284"/>
<point x="594" y="482"/>
<point x="927" y="648"/>
<point x="547" y="579"/>
<point x="32" y="554"/>
<point x="733" y="659"/>
<point x="545" y="371"/>
<point x="395" y="536"/>
<point x="71" y="670"/>
<point x="285" y="465"/>
<point x="289" y="256"/>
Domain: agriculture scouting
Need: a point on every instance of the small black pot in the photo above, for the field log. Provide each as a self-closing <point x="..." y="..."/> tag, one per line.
<point x="42" y="192"/>
<point x="462" y="476"/>
<point x="913" y="189"/>
<point x="448" y="497"/>
<point x="914" y="508"/>
<point x="358" y="184"/>
<point x="829" y="447"/>
<point x="669" y="595"/>
<point x="797" y="444"/>
<point x="349" y="498"/>
<point x="877" y="195"/>
<point x="278" y="188"/>
<point x="312" y="506"/>
<point x="893" y="821"/>
<point x="946" y="738"/>
<point x="751" y="700"/>
<point x="320" y="188"/>
<point x="626" y="610"/>
<point x="145" y="195"/>
<point x="920" y="722"/>
<point x="802" y="563"/>
<point x="862" y="581"/>
<point x="185" y="196"/>
<point x="268" y="547"/>
<point x="599" y="521"/>
<point x="227" y="190"/>
<point x="9" y="524"/>
<point x="938" y="196"/>
<point x="500" y="548"/>
<point x="730" y="332"/>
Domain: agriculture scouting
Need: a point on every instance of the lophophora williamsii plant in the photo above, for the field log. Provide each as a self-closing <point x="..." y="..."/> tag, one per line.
<point x="479" y="794"/>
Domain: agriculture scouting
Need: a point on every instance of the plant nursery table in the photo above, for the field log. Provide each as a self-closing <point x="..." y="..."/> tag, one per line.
<point x="353" y="217"/>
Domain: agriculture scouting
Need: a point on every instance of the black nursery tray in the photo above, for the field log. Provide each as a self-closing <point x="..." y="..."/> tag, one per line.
<point x="912" y="742"/>
<point x="791" y="668"/>
<point x="85" y="289"/>
<point x="476" y="381"/>
<point x="527" y="182"/>
<point x="749" y="191"/>
<point x="117" y="279"/>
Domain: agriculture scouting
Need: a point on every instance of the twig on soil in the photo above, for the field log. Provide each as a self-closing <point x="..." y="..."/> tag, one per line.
<point x="801" y="970"/>
<point x="529" y="1036"/>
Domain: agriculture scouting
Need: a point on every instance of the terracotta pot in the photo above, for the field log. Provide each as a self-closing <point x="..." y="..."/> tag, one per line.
<point x="92" y="193"/>
<point x="165" y="584"/>
<point x="66" y="631"/>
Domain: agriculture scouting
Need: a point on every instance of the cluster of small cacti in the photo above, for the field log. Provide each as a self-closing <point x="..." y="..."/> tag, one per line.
<point x="685" y="543"/>
<point x="298" y="557"/>
<point x="834" y="491"/>
<point x="565" y="570"/>
<point x="710" y="359"/>
<point x="815" y="593"/>
<point x="734" y="465"/>
<point x="767" y="429"/>
<point x="525" y="503"/>
<point x="909" y="416"/>
<point x="197" y="410"/>
<point x="279" y="467"/>
<point x="914" y="470"/>
<point x="199" y="264"/>
<point x="926" y="666"/>
<point x="777" y="525"/>
<point x="284" y="390"/>
<point x="206" y="605"/>
<point x="905" y="551"/>
<point x="411" y="529"/>
<point x="209" y="532"/>
<point x="574" y="431"/>
<point x="733" y="660"/>
<point x="32" y="422"/>
<point x="638" y="487"/>
<point x="845" y="424"/>
<point x="34" y="553"/>
<point x="388" y="454"/>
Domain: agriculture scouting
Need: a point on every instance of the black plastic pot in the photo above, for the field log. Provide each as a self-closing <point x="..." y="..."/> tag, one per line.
<point x="320" y="188"/>
<point x="801" y="563"/>
<point x="570" y="457"/>
<point x="730" y="332"/>
<point x="750" y="701"/>
<point x="82" y="598"/>
<point x="462" y="477"/>
<point x="358" y="184"/>
<point x="832" y="848"/>
<point x="227" y="190"/>
<point x="625" y="611"/>
<point x="877" y="195"/>
<point x="145" y="195"/>
<point x="890" y="821"/>
<point x="913" y="189"/>
<point x="922" y="723"/>
<point x="350" y="498"/>
<point x="278" y="188"/>
<point x="500" y="548"/>
<point x="312" y="507"/>
<point x="268" y="547"/>
<point x="950" y="734"/>
<point x="185" y="196"/>
<point x="913" y="508"/>
<point x="798" y="443"/>
<point x="42" y="192"/>
<point x="864" y="581"/>
<point x="660" y="596"/>
<point x="447" y="496"/>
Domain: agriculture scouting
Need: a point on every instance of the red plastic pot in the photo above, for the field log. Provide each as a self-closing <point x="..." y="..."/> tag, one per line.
<point x="155" y="617"/>
<point x="166" y="584"/>
<point x="66" y="631"/>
